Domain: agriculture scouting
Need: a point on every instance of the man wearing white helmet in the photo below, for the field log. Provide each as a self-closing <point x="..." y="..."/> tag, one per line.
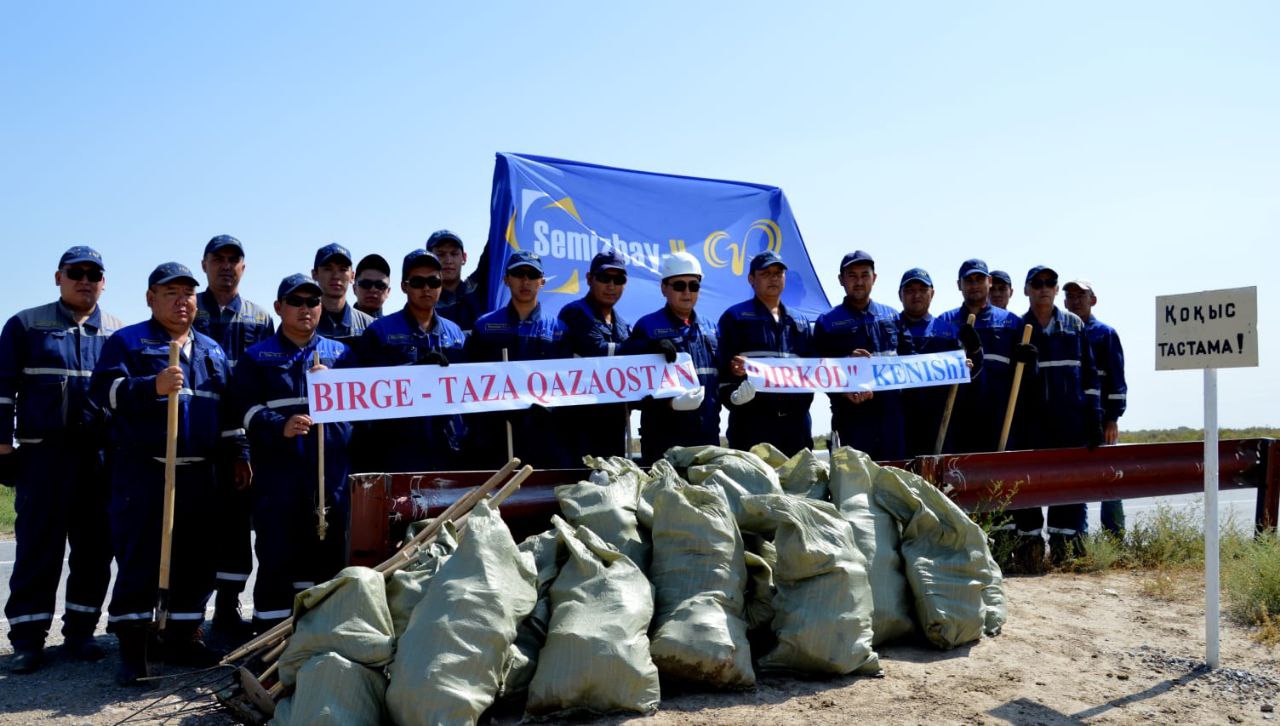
<point x="691" y="419"/>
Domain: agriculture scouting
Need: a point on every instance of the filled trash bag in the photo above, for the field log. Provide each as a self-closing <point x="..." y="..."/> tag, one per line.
<point x="596" y="658"/>
<point x="333" y="690"/>
<point x="607" y="506"/>
<point x="956" y="585"/>
<point x="347" y="615"/>
<point x="804" y="475"/>
<point x="748" y="473"/>
<point x="407" y="585"/>
<point x="698" y="576"/>
<point x="548" y="555"/>
<point x="450" y="660"/>
<point x="823" y="600"/>
<point x="875" y="533"/>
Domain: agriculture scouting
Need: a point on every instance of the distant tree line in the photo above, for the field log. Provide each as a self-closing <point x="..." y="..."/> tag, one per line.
<point x="1184" y="433"/>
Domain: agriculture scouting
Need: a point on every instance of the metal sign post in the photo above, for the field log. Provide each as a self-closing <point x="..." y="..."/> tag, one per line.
<point x="1208" y="330"/>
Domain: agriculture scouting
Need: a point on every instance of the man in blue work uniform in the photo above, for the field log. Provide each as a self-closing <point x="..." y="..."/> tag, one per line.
<point x="869" y="422"/>
<point x="373" y="284"/>
<point x="763" y="327"/>
<point x="236" y="324"/>
<point x="414" y="336"/>
<point x="46" y="356"/>
<point x="1108" y="355"/>
<point x="1001" y="289"/>
<point x="132" y="381"/>
<point x="923" y="333"/>
<point x="690" y="419"/>
<point x="459" y="299"/>
<point x="595" y="329"/>
<point x="1058" y="406"/>
<point x="980" y="406"/>
<point x="525" y="332"/>
<point x="332" y="270"/>
<point x="271" y="400"/>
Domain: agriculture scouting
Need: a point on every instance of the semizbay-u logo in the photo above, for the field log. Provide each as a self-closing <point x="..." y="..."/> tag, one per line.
<point x="738" y="250"/>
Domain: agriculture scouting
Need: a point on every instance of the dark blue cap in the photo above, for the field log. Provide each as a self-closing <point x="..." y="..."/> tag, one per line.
<point x="610" y="259"/>
<point x="81" y="253"/>
<point x="1002" y="275"/>
<point x="172" y="272"/>
<point x="223" y="240"/>
<point x="524" y="258"/>
<point x="295" y="282"/>
<point x="974" y="266"/>
<point x="418" y="258"/>
<point x="329" y="251"/>
<point x="857" y="257"/>
<point x="1038" y="269"/>
<point x="374" y="262"/>
<point x="440" y="236"/>
<point x="915" y="274"/>
<point x="766" y="259"/>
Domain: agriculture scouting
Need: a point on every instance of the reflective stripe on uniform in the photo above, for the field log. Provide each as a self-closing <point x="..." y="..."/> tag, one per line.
<point x="111" y="396"/>
<point x="253" y="410"/>
<point x="19" y="619"/>
<point x="181" y="460"/>
<point x="1059" y="363"/>
<point x="5" y="400"/>
<point x="766" y="354"/>
<point x="613" y="347"/>
<point x="57" y="372"/>
<point x="29" y="441"/>
<point x="272" y="614"/>
<point x="1092" y="392"/>
<point x="1116" y="396"/>
<point x="994" y="357"/>
<point x="231" y="577"/>
<point x="303" y="585"/>
<point x="282" y="402"/>
<point x="706" y="371"/>
<point x="1061" y="530"/>
<point x="75" y="607"/>
<point x="186" y="616"/>
<point x="129" y="616"/>
<point x="1030" y="533"/>
<point x="232" y="432"/>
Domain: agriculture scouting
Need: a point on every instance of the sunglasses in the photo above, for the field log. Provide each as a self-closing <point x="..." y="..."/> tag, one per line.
<point x="80" y="273"/>
<point x="1039" y="283"/>
<point x="605" y="278"/>
<point x="368" y="284"/>
<point x="682" y="285"/>
<point x="525" y="273"/>
<point x="299" y="301"/>
<point x="417" y="282"/>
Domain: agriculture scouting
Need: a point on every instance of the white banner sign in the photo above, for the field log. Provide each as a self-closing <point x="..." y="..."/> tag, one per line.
<point x="1211" y="329"/>
<point x="361" y="394"/>
<point x="877" y="373"/>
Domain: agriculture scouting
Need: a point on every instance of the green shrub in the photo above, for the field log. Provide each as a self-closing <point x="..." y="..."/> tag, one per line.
<point x="7" y="515"/>
<point x="1251" y="577"/>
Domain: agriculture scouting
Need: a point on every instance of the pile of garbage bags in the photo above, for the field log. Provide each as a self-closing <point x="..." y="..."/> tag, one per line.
<point x="710" y="568"/>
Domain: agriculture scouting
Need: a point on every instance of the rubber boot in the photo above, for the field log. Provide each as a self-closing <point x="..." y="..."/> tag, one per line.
<point x="227" y="619"/>
<point x="133" y="656"/>
<point x="184" y="646"/>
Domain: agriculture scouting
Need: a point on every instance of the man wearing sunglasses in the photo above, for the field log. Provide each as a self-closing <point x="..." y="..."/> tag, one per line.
<point x="763" y="327"/>
<point x="271" y="403"/>
<point x="525" y="332"/>
<point x="595" y="329"/>
<point x="980" y="405"/>
<point x="1059" y="406"/>
<point x="332" y="270"/>
<point x="869" y="422"/>
<point x="46" y="356"/>
<point x="133" y="382"/>
<point x="459" y="299"/>
<point x="236" y="324"/>
<point x="373" y="284"/>
<point x="690" y="419"/>
<point x="414" y="336"/>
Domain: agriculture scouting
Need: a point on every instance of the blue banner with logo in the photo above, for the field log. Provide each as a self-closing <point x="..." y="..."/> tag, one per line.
<point x="568" y="211"/>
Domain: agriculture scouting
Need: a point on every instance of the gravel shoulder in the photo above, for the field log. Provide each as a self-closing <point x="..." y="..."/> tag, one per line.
<point x="1078" y="648"/>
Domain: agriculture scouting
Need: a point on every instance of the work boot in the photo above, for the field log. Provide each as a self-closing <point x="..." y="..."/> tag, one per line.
<point x="83" y="647"/>
<point x="26" y="659"/>
<point x="227" y="618"/>
<point x="1065" y="547"/>
<point x="1028" y="555"/>
<point x="183" y="647"/>
<point x="133" y="657"/>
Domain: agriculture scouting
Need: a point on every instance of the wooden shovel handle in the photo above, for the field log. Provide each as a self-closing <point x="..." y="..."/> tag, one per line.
<point x="170" y="484"/>
<point x="1013" y="393"/>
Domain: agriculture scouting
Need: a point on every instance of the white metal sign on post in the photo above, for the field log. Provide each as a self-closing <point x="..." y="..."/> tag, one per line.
<point x="1208" y="330"/>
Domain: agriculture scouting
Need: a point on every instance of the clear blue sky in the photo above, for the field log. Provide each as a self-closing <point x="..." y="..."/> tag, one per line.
<point x="1137" y="144"/>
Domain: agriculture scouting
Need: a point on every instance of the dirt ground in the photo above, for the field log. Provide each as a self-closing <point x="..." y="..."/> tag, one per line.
<point x="1077" y="648"/>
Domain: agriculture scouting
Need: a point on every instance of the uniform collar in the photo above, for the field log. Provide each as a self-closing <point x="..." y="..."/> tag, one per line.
<point x="412" y="322"/>
<point x="93" y="321"/>
<point x="210" y="303"/>
<point x="760" y="307"/>
<point x="513" y="317"/>
<point x="671" y="315"/>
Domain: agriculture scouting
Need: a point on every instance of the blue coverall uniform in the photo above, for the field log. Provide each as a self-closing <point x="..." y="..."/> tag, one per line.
<point x="236" y="327"/>
<point x="538" y="434"/>
<point x="1058" y="407"/>
<point x="601" y="430"/>
<point x="45" y="363"/>
<point x="209" y="436"/>
<point x="980" y="405"/>
<point x="461" y="306"/>
<point x="1108" y="354"/>
<point x="344" y="326"/>
<point x="782" y="419"/>
<point x="271" y="386"/>
<point x="661" y="426"/>
<point x="424" y="443"/>
<point x="875" y="426"/>
<point x="923" y="407"/>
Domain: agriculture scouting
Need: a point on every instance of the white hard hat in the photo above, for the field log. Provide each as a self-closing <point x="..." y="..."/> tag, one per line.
<point x="680" y="263"/>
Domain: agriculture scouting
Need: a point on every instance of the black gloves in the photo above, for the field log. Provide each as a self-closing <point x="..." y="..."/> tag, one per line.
<point x="970" y="340"/>
<point x="666" y="348"/>
<point x="434" y="358"/>
<point x="1026" y="353"/>
<point x="9" y="469"/>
